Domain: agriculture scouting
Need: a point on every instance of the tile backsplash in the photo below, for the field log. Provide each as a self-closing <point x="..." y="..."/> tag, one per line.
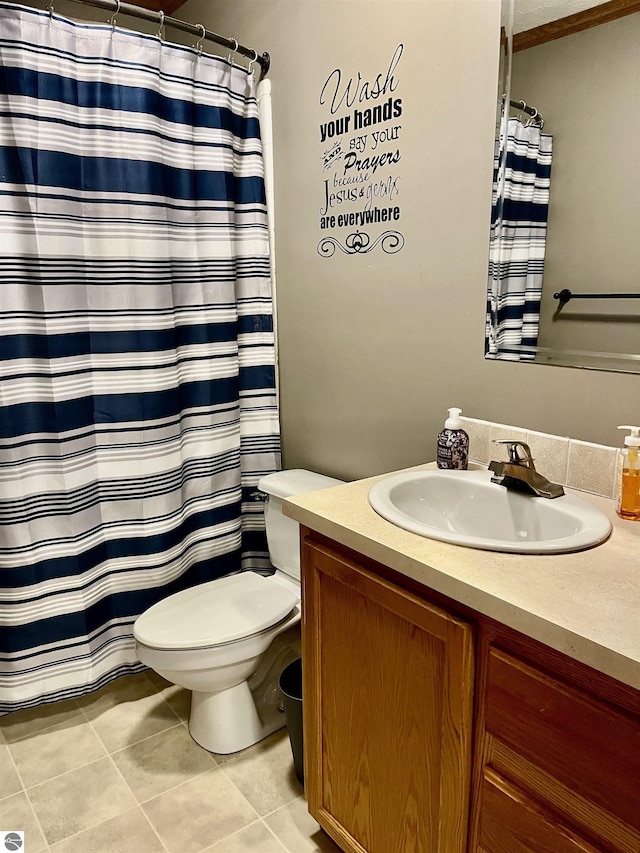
<point x="576" y="464"/>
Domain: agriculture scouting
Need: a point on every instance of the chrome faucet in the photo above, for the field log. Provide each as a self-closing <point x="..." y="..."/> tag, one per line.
<point x="519" y="472"/>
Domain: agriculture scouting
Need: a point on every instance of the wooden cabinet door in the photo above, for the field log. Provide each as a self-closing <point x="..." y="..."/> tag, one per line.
<point x="388" y="695"/>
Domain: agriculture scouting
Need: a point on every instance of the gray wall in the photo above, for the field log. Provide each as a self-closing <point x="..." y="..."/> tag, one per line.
<point x="375" y="347"/>
<point x="587" y="87"/>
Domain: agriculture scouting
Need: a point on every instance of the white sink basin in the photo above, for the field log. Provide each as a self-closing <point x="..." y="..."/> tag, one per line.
<point x="466" y="508"/>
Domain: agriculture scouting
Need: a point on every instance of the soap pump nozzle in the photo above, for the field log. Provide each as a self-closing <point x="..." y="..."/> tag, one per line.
<point x="632" y="440"/>
<point x="453" y="421"/>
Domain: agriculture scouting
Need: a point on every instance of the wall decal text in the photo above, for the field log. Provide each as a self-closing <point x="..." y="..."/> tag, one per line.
<point x="360" y="157"/>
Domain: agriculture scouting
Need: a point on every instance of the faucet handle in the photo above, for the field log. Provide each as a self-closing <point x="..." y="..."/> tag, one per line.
<point x="514" y="456"/>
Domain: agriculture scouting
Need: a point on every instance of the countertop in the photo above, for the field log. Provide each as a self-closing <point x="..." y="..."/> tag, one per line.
<point x="585" y="604"/>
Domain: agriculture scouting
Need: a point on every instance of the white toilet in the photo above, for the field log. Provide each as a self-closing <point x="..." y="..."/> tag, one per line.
<point x="229" y="639"/>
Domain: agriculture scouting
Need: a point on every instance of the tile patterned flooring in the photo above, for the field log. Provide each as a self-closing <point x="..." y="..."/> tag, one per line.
<point x="117" y="772"/>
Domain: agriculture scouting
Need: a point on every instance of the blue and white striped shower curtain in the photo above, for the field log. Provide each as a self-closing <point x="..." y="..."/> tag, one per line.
<point x="137" y="378"/>
<point x="520" y="208"/>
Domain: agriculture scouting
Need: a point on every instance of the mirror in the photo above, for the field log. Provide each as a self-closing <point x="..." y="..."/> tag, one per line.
<point x="566" y="213"/>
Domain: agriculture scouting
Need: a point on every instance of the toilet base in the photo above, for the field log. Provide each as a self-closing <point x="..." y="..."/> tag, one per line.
<point x="234" y="719"/>
<point x="228" y="721"/>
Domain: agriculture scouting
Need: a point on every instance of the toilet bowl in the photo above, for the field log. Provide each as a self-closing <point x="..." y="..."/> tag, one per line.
<point x="227" y="640"/>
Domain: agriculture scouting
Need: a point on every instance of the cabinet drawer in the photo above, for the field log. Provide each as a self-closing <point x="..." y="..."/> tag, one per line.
<point x="513" y="823"/>
<point x="589" y="746"/>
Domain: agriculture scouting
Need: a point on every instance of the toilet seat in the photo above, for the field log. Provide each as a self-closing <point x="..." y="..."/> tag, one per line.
<point x="215" y="613"/>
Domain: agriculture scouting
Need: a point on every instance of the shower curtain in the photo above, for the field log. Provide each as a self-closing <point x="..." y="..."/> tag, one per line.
<point x="137" y="378"/>
<point x="520" y="206"/>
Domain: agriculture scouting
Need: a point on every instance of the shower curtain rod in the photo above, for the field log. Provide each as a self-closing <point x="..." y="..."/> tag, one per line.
<point x="521" y="105"/>
<point x="118" y="7"/>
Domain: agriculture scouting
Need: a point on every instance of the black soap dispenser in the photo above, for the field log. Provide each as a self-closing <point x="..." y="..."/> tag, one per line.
<point x="453" y="443"/>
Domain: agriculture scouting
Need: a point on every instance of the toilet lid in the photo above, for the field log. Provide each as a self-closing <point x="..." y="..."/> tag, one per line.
<point x="216" y="612"/>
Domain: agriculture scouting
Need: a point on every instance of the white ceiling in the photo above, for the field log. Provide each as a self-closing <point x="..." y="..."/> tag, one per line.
<point x="534" y="13"/>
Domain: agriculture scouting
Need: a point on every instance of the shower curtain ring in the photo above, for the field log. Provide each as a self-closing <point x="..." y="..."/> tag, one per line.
<point x="198" y="44"/>
<point x="161" y="27"/>
<point x="532" y="121"/>
<point x="115" y="15"/>
<point x="50" y="9"/>
<point x="254" y="60"/>
<point x="235" y="47"/>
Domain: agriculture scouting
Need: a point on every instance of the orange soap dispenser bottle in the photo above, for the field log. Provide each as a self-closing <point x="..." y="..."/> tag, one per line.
<point x="628" y="476"/>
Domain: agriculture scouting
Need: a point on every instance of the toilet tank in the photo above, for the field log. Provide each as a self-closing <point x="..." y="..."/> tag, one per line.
<point x="283" y="534"/>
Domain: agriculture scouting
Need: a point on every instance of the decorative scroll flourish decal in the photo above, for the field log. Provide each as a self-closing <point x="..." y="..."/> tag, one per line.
<point x="360" y="243"/>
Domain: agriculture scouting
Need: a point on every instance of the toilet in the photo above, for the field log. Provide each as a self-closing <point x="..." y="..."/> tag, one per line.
<point x="229" y="639"/>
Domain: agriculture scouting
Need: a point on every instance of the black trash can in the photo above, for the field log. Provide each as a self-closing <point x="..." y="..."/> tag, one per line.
<point x="291" y="687"/>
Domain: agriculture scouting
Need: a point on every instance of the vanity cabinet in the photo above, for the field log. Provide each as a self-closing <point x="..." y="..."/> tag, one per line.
<point x="388" y="704"/>
<point x="398" y="684"/>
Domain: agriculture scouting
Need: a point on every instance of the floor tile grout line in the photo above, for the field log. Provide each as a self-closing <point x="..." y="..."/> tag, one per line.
<point x="133" y="743"/>
<point x="112" y="753"/>
<point x="215" y="765"/>
<point x="79" y="708"/>
<point x="135" y="807"/>
<point x="279" y="840"/>
<point x="250" y="804"/>
<point x="107" y="754"/>
<point x="153" y="829"/>
<point x="261" y="817"/>
<point x="15" y="767"/>
<point x="77" y="702"/>
<point x="172" y="788"/>
<point x="86" y="697"/>
<point x="66" y="772"/>
<point x="42" y="730"/>
<point x="176" y="725"/>
<point x="25" y="793"/>
<point x="72" y="723"/>
<point x="217" y="768"/>
<point x="140" y="803"/>
<point x="244" y="828"/>
<point x="284" y="806"/>
<point x="37" y="819"/>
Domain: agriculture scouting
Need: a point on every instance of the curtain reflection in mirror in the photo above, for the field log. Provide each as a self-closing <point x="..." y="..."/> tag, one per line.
<point x="520" y="205"/>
